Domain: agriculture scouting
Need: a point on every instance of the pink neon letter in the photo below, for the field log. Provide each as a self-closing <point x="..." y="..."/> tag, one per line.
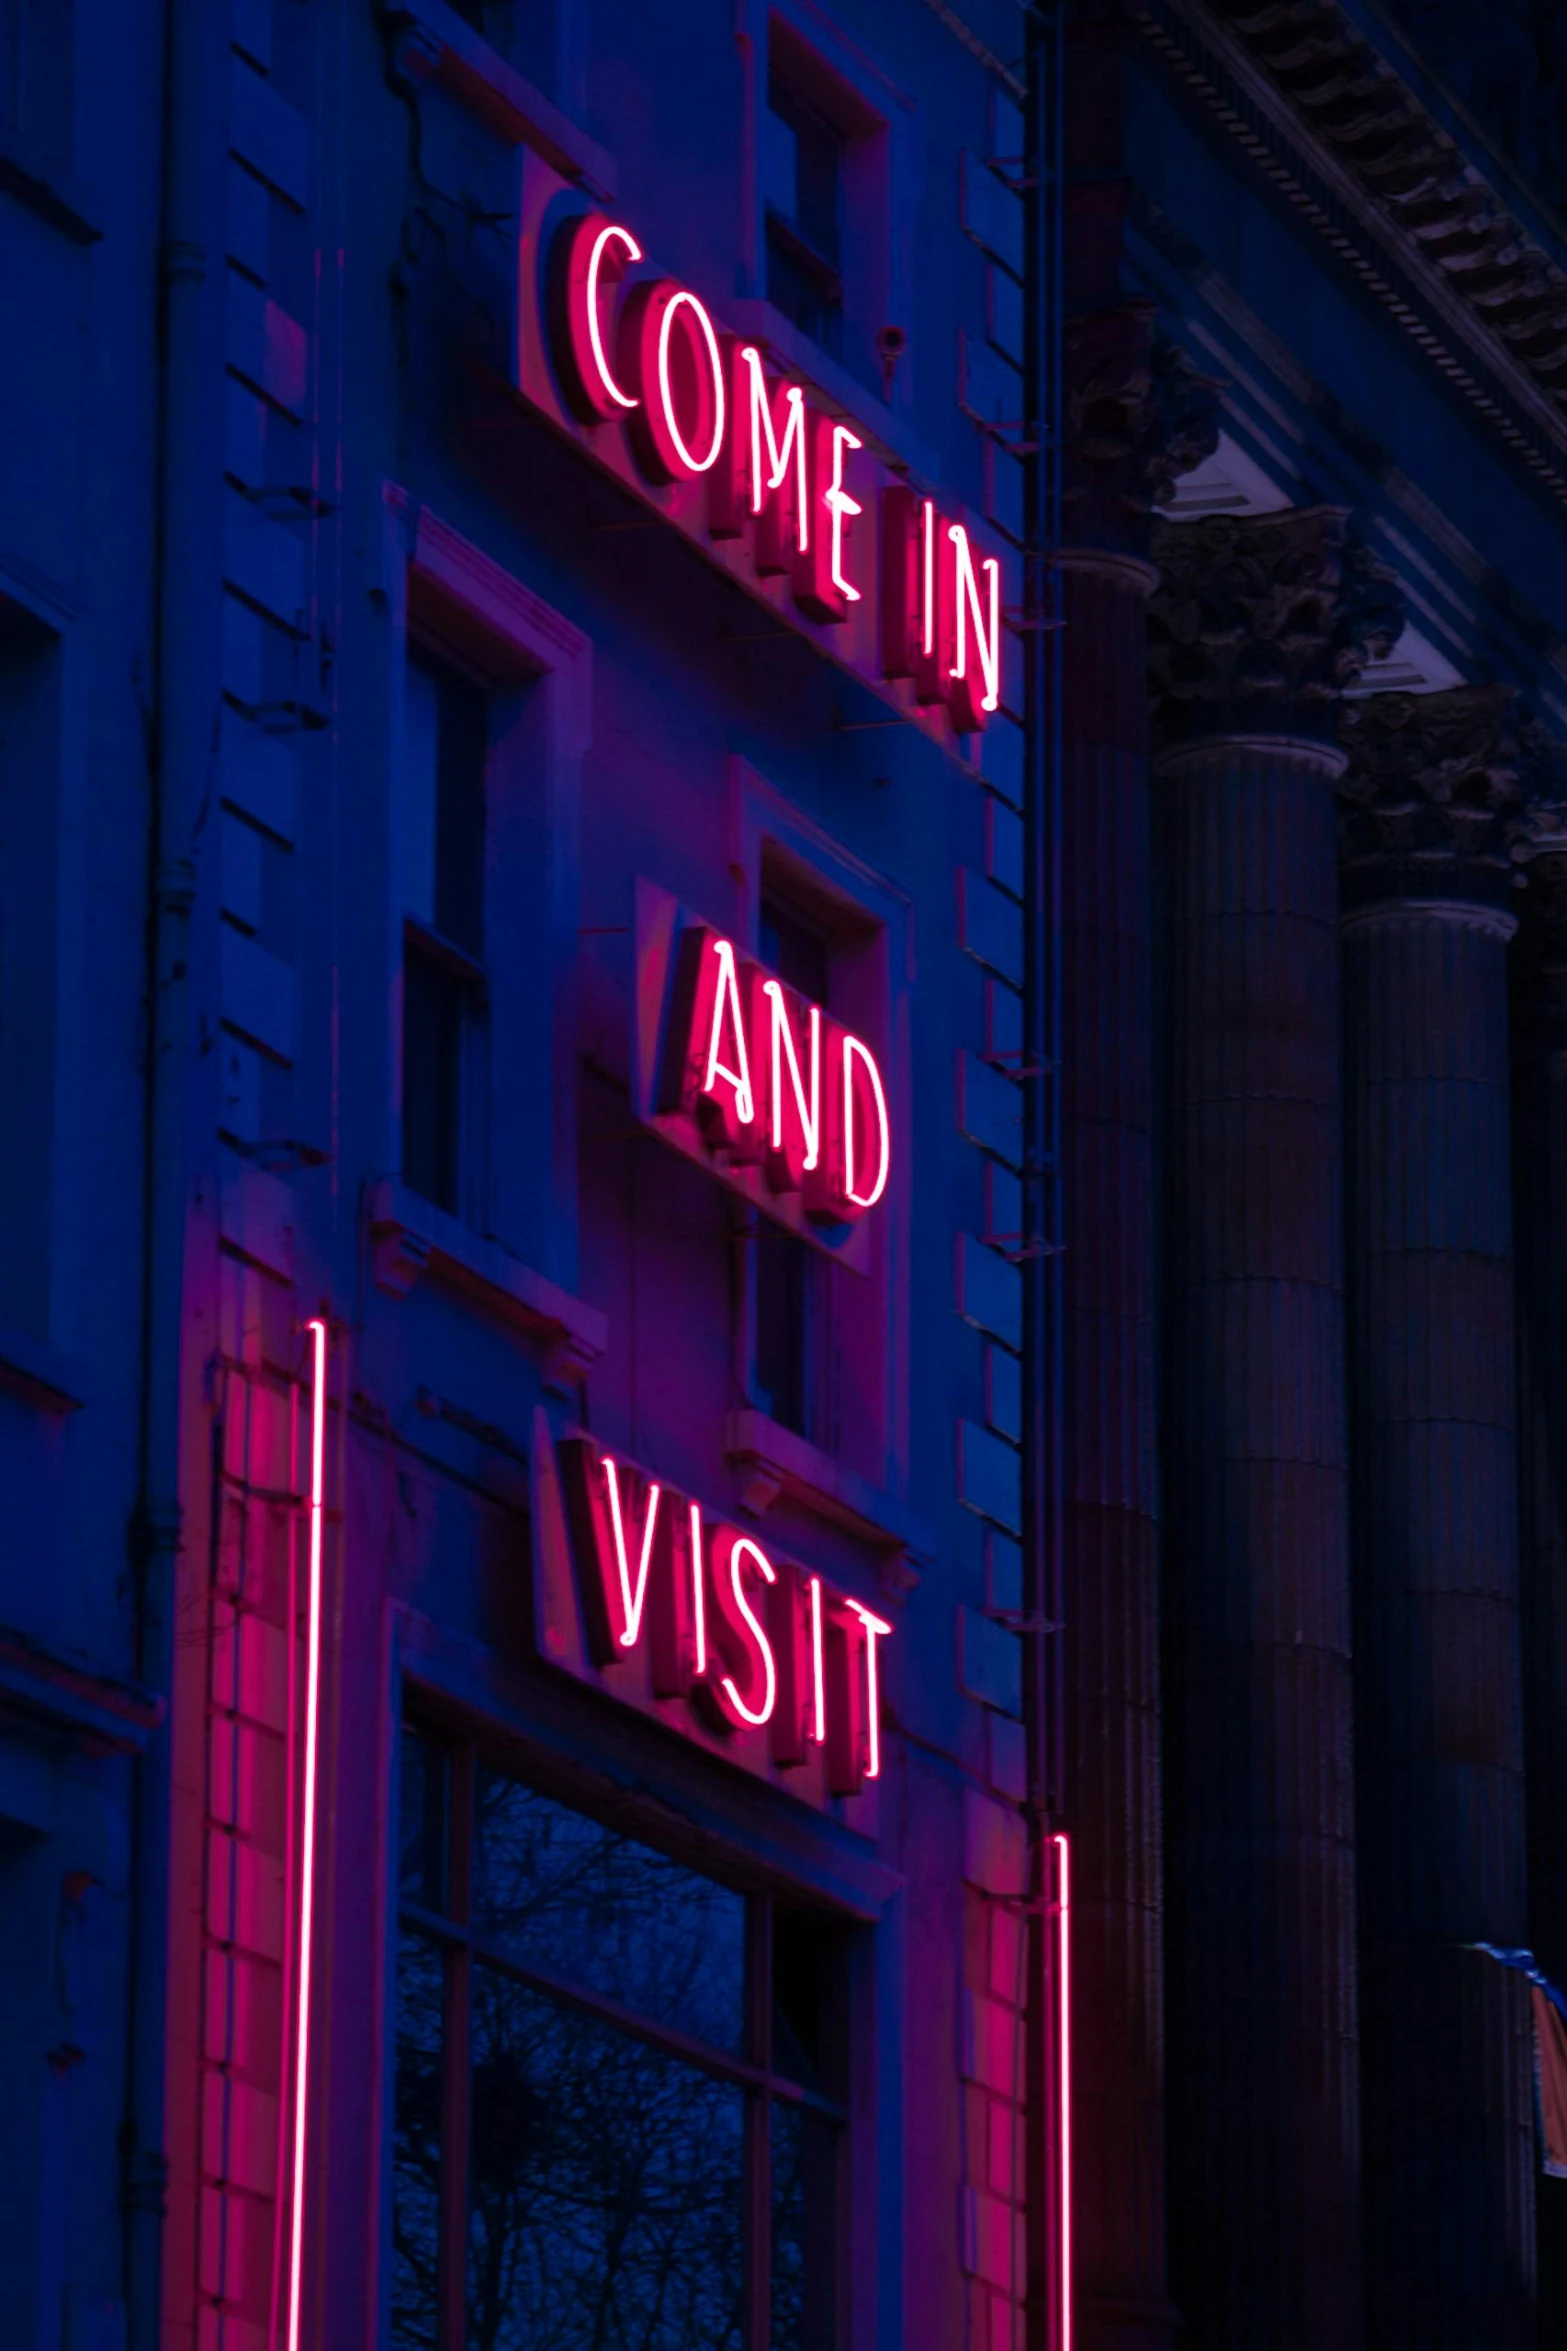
<point x="727" y="993"/>
<point x="928" y="601"/>
<point x="841" y="506"/>
<point x="967" y="711"/>
<point x="606" y="236"/>
<point x="875" y="1628"/>
<point x="698" y="1592"/>
<point x="852" y="1050"/>
<point x="307" y="1861"/>
<point x="808" y="1113"/>
<point x="769" y="1575"/>
<point x="666" y="393"/>
<point x="631" y="1599"/>
<point x="1064" y="1985"/>
<point x="777" y="453"/>
<point x="818" y="1664"/>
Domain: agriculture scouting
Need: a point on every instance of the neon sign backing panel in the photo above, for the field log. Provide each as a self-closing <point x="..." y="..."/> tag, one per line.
<point x="930" y="642"/>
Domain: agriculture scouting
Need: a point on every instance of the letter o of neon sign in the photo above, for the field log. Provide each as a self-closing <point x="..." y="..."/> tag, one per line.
<point x="667" y="347"/>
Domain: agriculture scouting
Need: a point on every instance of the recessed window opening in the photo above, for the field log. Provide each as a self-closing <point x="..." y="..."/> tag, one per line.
<point x="620" y="2111"/>
<point x="445" y="997"/>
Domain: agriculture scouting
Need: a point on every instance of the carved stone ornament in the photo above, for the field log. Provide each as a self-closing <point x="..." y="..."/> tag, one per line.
<point x="1261" y="622"/>
<point x="1431" y="783"/>
<point x="1538" y="834"/>
<point x="1138" y="416"/>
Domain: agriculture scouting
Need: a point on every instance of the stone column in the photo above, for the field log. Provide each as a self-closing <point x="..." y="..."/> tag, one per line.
<point x="1136" y="418"/>
<point x="1427" y="899"/>
<point x="1259" y="625"/>
<point x="1540" y="1197"/>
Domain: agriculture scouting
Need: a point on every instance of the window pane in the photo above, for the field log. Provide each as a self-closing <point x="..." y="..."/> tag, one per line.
<point x="805" y="2189"/>
<point x="421" y="724"/>
<point x="784" y="1279"/>
<point x="416" y="2154"/>
<point x="808" y="2001"/>
<point x="562" y="1893"/>
<point x="606" y="2189"/>
<point x="795" y="949"/>
<point x="459" y="823"/>
<point x="422" y="1821"/>
<point x="434" y="1003"/>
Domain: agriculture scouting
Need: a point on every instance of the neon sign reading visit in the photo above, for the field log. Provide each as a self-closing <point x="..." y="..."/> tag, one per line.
<point x="790" y="490"/>
<point x="754" y="1644"/>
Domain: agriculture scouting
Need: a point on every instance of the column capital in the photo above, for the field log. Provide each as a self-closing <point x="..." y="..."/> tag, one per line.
<point x="1538" y="835"/>
<point x="1262" y="622"/>
<point x="1138" y="415"/>
<point x="1431" y="785"/>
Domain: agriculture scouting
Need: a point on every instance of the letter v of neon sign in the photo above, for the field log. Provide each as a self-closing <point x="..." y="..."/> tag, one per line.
<point x="631" y="1596"/>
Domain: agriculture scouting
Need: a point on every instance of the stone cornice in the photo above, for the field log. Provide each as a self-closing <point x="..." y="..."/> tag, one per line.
<point x="1261" y="623"/>
<point x="1431" y="787"/>
<point x="1322" y="115"/>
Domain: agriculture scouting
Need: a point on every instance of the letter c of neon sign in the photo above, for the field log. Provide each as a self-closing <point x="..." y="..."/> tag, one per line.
<point x="590" y="250"/>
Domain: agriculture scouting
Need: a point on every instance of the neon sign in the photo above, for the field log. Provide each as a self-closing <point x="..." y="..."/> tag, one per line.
<point x="758" y="1650"/>
<point x="785" y="494"/>
<point x="775" y="1082"/>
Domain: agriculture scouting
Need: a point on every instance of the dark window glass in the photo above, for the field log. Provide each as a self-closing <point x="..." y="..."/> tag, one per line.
<point x="441" y="850"/>
<point x="416" y="2149"/>
<point x="565" y="1895"/>
<point x="606" y="2187"/>
<point x="618" y="2118"/>
<point x="802" y="178"/>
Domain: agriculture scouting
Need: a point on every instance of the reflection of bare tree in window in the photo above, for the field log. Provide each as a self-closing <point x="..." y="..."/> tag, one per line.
<point x="417" y="2146"/>
<point x="561" y="1893"/>
<point x="605" y="2191"/>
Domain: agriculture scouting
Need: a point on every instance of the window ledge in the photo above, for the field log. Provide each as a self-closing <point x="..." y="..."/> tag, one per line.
<point x="890" y="437"/>
<point x="39" y="1375"/>
<point x="434" y="44"/>
<point x="103" y="1713"/>
<point x="47" y="190"/>
<point x="411" y="1237"/>
<point x="772" y="1460"/>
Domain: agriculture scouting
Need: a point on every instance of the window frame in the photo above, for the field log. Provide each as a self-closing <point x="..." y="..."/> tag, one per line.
<point x="454" y="600"/>
<point x="757" y="2079"/>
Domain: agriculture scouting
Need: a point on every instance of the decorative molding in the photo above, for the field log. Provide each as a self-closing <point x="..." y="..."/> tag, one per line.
<point x="1138" y="416"/>
<point x="1431" y="782"/>
<point x="40" y="1375"/>
<point x="430" y="42"/>
<point x="102" y="1713"/>
<point x="1349" y="146"/>
<point x="411" y="1239"/>
<point x="773" y="1461"/>
<point x="1260" y="623"/>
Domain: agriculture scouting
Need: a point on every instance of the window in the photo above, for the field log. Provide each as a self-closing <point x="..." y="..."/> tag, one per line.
<point x="618" y="2118"/>
<point x="792" y="1287"/>
<point x="802" y="167"/>
<point x="445" y="1000"/>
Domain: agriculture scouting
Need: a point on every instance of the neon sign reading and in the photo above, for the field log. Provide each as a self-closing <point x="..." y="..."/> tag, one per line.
<point x="774" y="1082"/>
<point x="750" y="464"/>
<point x="755" y="1646"/>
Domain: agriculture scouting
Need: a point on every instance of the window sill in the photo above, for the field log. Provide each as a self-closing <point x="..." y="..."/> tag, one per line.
<point x="777" y="334"/>
<point x="46" y="189"/>
<point x="434" y="44"/>
<point x="101" y="1712"/>
<point x="772" y="1460"/>
<point x="411" y="1237"/>
<point x="40" y="1375"/>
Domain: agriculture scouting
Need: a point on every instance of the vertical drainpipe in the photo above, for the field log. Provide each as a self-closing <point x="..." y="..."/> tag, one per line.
<point x="1042" y="1478"/>
<point x="185" y="753"/>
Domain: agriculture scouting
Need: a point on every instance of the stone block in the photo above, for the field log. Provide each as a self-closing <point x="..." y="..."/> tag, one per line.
<point x="991" y="2035"/>
<point x="1004" y="1572"/>
<point x="238" y="2134"/>
<point x="248" y="221"/>
<point x="991" y="2232"/>
<point x="241" y="872"/>
<point x="244" y="1896"/>
<point x="990" y="924"/>
<point x="990" y="1110"/>
<point x="1003" y="1206"/>
<point x="1004" y="844"/>
<point x="269" y="135"/>
<point x="990" y="1661"/>
<point x="256" y="1213"/>
<point x="259" y="777"/>
<point x="242" y="654"/>
<point x="257" y="994"/>
<point x="990" y="1477"/>
<point x="992" y="213"/>
<point x="245" y="435"/>
<point x="995" y="1848"/>
<point x="1004" y="313"/>
<point x="265" y="346"/>
<point x="1001" y="758"/>
<point x="250" y="30"/>
<point x="1003" y="1024"/>
<point x="990" y="1291"/>
<point x="1004" y="1394"/>
<point x="1007" y="1756"/>
<point x="989" y="387"/>
<point x="264" y="561"/>
<point x="1004" y="488"/>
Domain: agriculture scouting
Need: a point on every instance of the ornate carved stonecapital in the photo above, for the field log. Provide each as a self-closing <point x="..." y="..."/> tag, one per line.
<point x="1432" y="783"/>
<point x="1260" y="623"/>
<point x="1538" y="834"/>
<point x="1138" y="416"/>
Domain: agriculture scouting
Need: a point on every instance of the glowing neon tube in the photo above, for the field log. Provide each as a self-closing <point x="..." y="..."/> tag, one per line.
<point x="317" y="1330"/>
<point x="1064" y="2027"/>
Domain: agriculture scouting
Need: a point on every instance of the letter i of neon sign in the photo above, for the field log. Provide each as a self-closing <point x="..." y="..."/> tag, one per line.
<point x="875" y="1629"/>
<point x="818" y="1665"/>
<point x="317" y="1329"/>
<point x="698" y="1595"/>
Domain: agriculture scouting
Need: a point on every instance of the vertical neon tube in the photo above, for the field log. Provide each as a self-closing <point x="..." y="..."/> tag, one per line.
<point x="818" y="1665"/>
<point x="1064" y="2029"/>
<point x="317" y="1330"/>
<point x="876" y="1629"/>
<point x="698" y="1593"/>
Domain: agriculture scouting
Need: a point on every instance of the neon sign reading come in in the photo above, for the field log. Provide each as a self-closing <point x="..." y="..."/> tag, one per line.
<point x="786" y="494"/>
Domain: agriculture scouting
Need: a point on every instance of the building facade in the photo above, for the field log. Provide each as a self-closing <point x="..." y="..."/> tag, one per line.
<point x="781" y="939"/>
